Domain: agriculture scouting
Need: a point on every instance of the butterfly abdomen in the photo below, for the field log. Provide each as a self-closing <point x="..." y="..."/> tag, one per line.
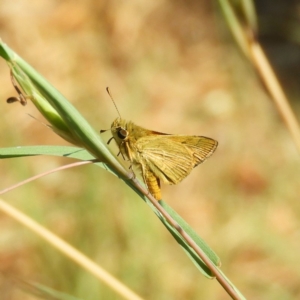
<point x="153" y="184"/>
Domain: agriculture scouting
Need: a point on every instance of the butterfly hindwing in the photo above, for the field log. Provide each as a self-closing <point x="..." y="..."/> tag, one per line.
<point x="171" y="158"/>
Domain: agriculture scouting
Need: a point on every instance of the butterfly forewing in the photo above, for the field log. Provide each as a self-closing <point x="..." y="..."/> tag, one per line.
<point x="202" y="147"/>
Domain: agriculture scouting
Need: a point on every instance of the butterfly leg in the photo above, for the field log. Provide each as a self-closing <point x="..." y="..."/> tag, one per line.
<point x="131" y="169"/>
<point x="108" y="142"/>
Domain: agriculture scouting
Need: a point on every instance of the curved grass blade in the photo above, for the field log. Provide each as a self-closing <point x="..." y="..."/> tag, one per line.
<point x="85" y="135"/>
<point x="82" y="132"/>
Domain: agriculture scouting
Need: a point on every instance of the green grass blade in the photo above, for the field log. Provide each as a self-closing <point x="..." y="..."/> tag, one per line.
<point x="71" y="152"/>
<point x="235" y="26"/>
<point x="78" y="129"/>
<point x="77" y="125"/>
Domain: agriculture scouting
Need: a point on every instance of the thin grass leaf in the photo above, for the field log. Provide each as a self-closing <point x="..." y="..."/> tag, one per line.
<point x="250" y="14"/>
<point x="66" y="151"/>
<point x="234" y="25"/>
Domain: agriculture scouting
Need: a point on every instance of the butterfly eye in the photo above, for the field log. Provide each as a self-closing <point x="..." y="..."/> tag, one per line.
<point x="122" y="133"/>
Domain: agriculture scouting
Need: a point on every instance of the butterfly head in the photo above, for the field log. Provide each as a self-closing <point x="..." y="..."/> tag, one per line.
<point x="119" y="130"/>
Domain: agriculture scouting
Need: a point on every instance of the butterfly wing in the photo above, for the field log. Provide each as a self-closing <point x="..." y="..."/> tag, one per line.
<point x="201" y="147"/>
<point x="171" y="158"/>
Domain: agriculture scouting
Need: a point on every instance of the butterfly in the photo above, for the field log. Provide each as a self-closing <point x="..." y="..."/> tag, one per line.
<point x="161" y="156"/>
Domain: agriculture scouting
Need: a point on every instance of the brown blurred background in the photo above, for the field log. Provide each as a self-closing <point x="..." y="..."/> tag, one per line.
<point x="172" y="67"/>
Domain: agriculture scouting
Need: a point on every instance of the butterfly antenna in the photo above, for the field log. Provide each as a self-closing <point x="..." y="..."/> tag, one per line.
<point x="112" y="99"/>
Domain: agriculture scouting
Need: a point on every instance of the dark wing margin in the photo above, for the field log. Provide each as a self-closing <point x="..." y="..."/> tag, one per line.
<point x="202" y="148"/>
